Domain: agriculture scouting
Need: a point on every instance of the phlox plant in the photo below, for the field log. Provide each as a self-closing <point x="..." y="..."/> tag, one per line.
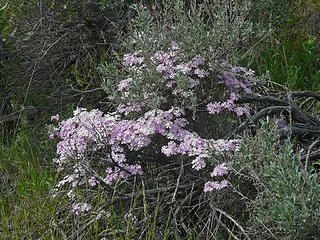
<point x="96" y="148"/>
<point x="137" y="120"/>
<point x="89" y="131"/>
<point x="154" y="95"/>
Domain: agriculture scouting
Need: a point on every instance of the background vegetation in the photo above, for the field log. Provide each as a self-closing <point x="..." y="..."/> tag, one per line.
<point x="58" y="55"/>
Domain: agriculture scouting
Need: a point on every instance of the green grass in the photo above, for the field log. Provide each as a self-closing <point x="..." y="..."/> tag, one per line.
<point x="25" y="207"/>
<point x="290" y="62"/>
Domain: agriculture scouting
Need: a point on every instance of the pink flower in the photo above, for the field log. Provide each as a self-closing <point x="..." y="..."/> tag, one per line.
<point x="124" y="84"/>
<point x="220" y="170"/>
<point x="229" y="104"/>
<point x="55" y="117"/>
<point x="239" y="111"/>
<point x="199" y="163"/>
<point x="161" y="67"/>
<point x="81" y="207"/>
<point x="214" y="107"/>
<point x="198" y="60"/>
<point x="170" y="149"/>
<point x="92" y="181"/>
<point x="201" y="73"/>
<point x="170" y="83"/>
<point x="133" y="169"/>
<point x="234" y="96"/>
<point x="174" y="45"/>
<point x="129" y="59"/>
<point x="210" y="186"/>
<point x="193" y="82"/>
<point x="184" y="68"/>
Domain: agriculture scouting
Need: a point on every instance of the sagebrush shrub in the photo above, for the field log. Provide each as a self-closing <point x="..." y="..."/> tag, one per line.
<point x="286" y="204"/>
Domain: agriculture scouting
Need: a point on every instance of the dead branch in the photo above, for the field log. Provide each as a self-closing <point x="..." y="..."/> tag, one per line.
<point x="16" y="115"/>
<point x="302" y="124"/>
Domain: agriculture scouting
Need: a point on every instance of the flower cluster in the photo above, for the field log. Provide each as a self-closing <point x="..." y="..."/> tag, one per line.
<point x="172" y="76"/>
<point x="209" y="186"/>
<point x="237" y="81"/>
<point x="281" y="122"/>
<point x="219" y="170"/>
<point x="78" y="208"/>
<point x="91" y="130"/>
<point x="164" y="76"/>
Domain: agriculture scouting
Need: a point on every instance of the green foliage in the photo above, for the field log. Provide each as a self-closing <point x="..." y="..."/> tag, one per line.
<point x="25" y="209"/>
<point x="287" y="202"/>
<point x="294" y="16"/>
<point x="215" y="29"/>
<point x="3" y="21"/>
<point x="289" y="63"/>
<point x="290" y="53"/>
<point x="271" y="12"/>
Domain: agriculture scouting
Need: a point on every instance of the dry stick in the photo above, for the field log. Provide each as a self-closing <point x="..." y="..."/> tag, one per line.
<point x="219" y="222"/>
<point x="308" y="94"/>
<point x="305" y="94"/>
<point x="263" y="99"/>
<point x="28" y="88"/>
<point x="234" y="236"/>
<point x="238" y="192"/>
<point x="178" y="182"/>
<point x="191" y="191"/>
<point x="311" y="120"/>
<point x="296" y="112"/>
<point x="204" y="218"/>
<point x="16" y="115"/>
<point x="234" y="221"/>
<point x="290" y="98"/>
<point x="80" y="92"/>
<point x="292" y="94"/>
<point x="47" y="50"/>
<point x="176" y="231"/>
<point x="267" y="229"/>
<point x="308" y="154"/>
<point x="298" y="130"/>
<point x="314" y="155"/>
<point x="264" y="112"/>
<point x="311" y="105"/>
<point x="176" y="212"/>
<point x="306" y="101"/>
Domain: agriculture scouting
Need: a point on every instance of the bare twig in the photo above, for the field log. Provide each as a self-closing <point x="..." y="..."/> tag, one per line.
<point x="262" y="99"/>
<point x="16" y="115"/>
<point x="234" y="221"/>
<point x="254" y="119"/>
<point x="178" y="182"/>
<point x="305" y="94"/>
<point x="287" y="107"/>
<point x="308" y="154"/>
